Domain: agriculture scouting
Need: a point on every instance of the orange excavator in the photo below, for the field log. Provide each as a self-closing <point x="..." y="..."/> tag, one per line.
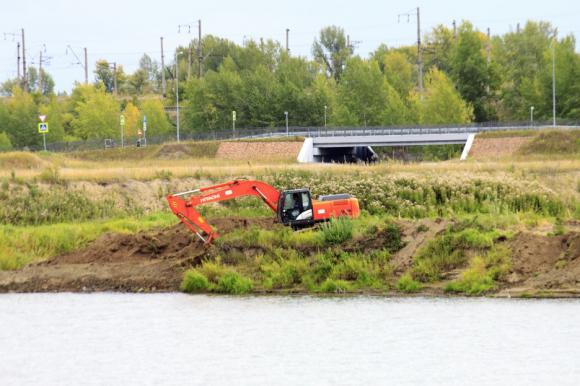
<point x="294" y="208"/>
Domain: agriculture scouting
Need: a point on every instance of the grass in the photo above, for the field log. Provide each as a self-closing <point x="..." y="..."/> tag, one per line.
<point x="215" y="277"/>
<point x="337" y="231"/>
<point x="21" y="245"/>
<point x="406" y="283"/>
<point x="449" y="251"/>
<point x="483" y="272"/>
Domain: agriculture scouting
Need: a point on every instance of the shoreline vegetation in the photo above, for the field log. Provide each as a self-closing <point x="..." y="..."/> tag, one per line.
<point x="98" y="221"/>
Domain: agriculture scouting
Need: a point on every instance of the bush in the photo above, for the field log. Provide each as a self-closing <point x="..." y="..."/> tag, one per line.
<point x="5" y="143"/>
<point x="337" y="231"/>
<point x="334" y="286"/>
<point x="406" y="283"/>
<point x="233" y="283"/>
<point x="194" y="281"/>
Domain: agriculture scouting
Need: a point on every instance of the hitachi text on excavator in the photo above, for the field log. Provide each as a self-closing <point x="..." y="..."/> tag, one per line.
<point x="294" y="208"/>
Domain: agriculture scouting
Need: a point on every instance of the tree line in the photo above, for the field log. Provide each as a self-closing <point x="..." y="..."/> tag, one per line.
<point x="468" y="77"/>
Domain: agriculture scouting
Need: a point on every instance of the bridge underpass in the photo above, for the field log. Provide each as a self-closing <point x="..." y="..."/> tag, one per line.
<point x="352" y="147"/>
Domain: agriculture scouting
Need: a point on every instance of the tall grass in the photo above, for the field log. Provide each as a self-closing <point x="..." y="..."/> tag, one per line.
<point x="21" y="245"/>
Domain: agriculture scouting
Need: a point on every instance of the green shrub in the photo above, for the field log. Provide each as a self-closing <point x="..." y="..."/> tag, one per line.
<point x="194" y="281"/>
<point x="406" y="283"/>
<point x="5" y="143"/>
<point x="233" y="283"/>
<point x="337" y="231"/>
<point x="483" y="273"/>
<point x="334" y="286"/>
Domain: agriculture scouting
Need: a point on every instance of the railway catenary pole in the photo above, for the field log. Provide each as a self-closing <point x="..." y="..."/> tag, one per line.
<point x="163" y="84"/>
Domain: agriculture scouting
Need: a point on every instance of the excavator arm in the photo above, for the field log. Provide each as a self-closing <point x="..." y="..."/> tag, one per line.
<point x="184" y="208"/>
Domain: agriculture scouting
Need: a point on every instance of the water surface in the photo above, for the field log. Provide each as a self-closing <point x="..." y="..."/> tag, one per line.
<point x="95" y="339"/>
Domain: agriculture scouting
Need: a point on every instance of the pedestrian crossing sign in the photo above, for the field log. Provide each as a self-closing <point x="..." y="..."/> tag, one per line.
<point x="43" y="127"/>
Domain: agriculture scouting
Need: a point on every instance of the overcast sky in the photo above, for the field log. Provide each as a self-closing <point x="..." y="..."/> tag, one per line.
<point x="122" y="30"/>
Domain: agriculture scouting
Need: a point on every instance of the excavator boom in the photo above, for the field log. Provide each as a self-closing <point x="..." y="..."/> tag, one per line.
<point x="184" y="208"/>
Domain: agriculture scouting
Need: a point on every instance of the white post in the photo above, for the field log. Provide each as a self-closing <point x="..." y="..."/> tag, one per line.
<point x="532" y="116"/>
<point x="44" y="140"/>
<point x="286" y="114"/>
<point x="325" y="107"/>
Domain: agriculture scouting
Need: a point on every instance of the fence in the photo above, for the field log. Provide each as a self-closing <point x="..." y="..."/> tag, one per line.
<point x="253" y="133"/>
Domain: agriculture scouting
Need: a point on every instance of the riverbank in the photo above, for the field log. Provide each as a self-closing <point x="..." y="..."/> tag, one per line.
<point x="381" y="256"/>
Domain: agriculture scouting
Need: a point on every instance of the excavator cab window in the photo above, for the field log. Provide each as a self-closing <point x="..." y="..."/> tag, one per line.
<point x="295" y="207"/>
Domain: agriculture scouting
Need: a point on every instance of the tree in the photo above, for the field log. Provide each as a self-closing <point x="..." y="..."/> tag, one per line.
<point x="5" y="143"/>
<point x="212" y="98"/>
<point x="157" y="122"/>
<point x="331" y="50"/>
<point x="438" y="48"/>
<point x="521" y="59"/>
<point x="105" y="74"/>
<point x="399" y="72"/>
<point x="97" y="116"/>
<point x="132" y="120"/>
<point x="365" y="97"/>
<point x="472" y="76"/>
<point x="22" y="119"/>
<point x="441" y="103"/>
<point x="53" y="111"/>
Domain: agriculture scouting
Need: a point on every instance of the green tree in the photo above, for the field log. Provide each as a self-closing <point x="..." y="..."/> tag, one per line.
<point x="330" y="50"/>
<point x="472" y="75"/>
<point x="54" y="112"/>
<point x="5" y="143"/>
<point x="22" y="127"/>
<point x="441" y="102"/>
<point x="97" y="116"/>
<point x="399" y="72"/>
<point x="212" y="98"/>
<point x="133" y="119"/>
<point x="438" y="48"/>
<point x="365" y="97"/>
<point x="521" y="59"/>
<point x="157" y="122"/>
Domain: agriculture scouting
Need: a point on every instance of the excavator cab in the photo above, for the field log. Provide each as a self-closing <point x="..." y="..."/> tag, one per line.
<point x="295" y="208"/>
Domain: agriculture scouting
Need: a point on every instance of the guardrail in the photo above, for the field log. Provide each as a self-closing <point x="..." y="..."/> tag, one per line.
<point x="250" y="133"/>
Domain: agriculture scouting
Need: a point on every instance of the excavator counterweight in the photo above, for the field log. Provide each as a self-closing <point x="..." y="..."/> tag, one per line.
<point x="294" y="208"/>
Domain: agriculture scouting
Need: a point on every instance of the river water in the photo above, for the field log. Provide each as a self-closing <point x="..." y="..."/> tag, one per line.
<point x="114" y="339"/>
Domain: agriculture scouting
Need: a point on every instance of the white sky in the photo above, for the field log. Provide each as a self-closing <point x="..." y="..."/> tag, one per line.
<point x="123" y="30"/>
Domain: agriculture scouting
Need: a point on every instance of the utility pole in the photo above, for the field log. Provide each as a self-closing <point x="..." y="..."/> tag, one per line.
<point x="189" y="62"/>
<point x="454" y="30"/>
<point x="114" y="65"/>
<point x="287" y="47"/>
<point x="199" y="53"/>
<point x="416" y="12"/>
<point x="419" y="53"/>
<point x="18" y="60"/>
<point x="24" y="76"/>
<point x="162" y="70"/>
<point x="488" y="48"/>
<point x="348" y="44"/>
<point x="177" y="92"/>
<point x="86" y="67"/>
<point x="554" y="82"/>
<point x="40" y="72"/>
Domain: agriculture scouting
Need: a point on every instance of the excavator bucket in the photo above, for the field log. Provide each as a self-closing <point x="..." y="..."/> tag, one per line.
<point x="191" y="218"/>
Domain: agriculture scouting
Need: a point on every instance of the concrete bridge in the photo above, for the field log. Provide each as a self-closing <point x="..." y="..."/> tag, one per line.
<point x="352" y="147"/>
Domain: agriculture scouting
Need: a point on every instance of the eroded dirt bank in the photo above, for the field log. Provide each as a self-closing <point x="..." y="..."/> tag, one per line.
<point x="154" y="261"/>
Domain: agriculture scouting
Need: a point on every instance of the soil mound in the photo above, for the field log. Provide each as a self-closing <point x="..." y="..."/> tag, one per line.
<point x="146" y="261"/>
<point x="546" y="262"/>
<point x="494" y="148"/>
